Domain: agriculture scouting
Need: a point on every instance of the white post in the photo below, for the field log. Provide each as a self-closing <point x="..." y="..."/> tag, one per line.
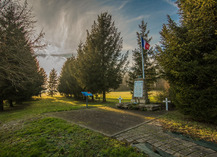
<point x="166" y="101"/>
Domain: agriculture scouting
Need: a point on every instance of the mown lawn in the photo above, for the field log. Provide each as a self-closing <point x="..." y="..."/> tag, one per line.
<point x="26" y="130"/>
<point x="38" y="106"/>
<point x="55" y="137"/>
<point x="127" y="96"/>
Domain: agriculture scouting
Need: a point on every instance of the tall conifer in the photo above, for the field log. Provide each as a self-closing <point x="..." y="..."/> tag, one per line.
<point x="149" y="62"/>
<point x="18" y="66"/>
<point x="101" y="60"/>
<point x="188" y="56"/>
<point x="52" y="82"/>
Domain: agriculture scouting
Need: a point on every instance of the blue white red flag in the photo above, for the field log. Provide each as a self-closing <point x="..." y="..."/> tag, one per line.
<point x="145" y="45"/>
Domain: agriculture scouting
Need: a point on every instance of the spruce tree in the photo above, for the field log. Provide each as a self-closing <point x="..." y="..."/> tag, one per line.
<point x="68" y="83"/>
<point x="18" y="66"/>
<point x="42" y="81"/>
<point x="52" y="82"/>
<point x="149" y="62"/>
<point x="188" y="56"/>
<point x="101" y="60"/>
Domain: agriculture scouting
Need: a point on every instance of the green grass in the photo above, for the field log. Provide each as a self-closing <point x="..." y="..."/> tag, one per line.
<point x="56" y="137"/>
<point x="44" y="136"/>
<point x="38" y="106"/>
<point x="177" y="122"/>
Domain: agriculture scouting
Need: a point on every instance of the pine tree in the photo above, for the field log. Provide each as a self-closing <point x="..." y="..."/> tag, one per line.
<point x="189" y="56"/>
<point x="52" y="82"/>
<point x="149" y="62"/>
<point x="100" y="60"/>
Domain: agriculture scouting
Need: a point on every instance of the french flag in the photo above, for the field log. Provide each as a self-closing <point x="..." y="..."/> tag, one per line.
<point x="146" y="45"/>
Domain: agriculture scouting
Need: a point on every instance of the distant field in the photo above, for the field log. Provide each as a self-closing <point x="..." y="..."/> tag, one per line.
<point x="127" y="96"/>
<point x="113" y="96"/>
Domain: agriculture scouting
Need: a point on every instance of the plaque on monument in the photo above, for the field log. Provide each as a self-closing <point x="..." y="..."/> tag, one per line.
<point x="138" y="89"/>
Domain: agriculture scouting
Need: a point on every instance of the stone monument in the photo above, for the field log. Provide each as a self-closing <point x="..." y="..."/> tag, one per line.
<point x="140" y="92"/>
<point x="140" y="96"/>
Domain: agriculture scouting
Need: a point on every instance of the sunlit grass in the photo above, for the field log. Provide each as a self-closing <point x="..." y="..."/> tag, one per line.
<point x="176" y="122"/>
<point x="45" y="104"/>
<point x="127" y="96"/>
<point x="40" y="105"/>
<point x="113" y="96"/>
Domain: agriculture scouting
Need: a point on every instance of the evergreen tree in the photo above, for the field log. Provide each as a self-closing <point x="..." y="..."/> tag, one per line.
<point x="100" y="60"/>
<point x="42" y="81"/>
<point x="18" y="67"/>
<point x="52" y="82"/>
<point x="189" y="56"/>
<point x="149" y="62"/>
<point x="68" y="84"/>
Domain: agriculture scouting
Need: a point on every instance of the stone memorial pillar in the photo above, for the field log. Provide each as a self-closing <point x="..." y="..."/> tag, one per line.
<point x="140" y="94"/>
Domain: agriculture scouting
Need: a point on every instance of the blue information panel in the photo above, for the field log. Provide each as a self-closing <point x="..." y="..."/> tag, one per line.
<point x="87" y="94"/>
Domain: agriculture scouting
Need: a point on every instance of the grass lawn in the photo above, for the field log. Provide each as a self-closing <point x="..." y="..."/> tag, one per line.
<point x="56" y="137"/>
<point x="127" y="96"/>
<point x="177" y="122"/>
<point x="38" y="106"/>
<point x="26" y="131"/>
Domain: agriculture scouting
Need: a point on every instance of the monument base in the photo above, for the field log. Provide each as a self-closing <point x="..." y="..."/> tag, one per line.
<point x="149" y="107"/>
<point x="139" y="101"/>
<point x="142" y="107"/>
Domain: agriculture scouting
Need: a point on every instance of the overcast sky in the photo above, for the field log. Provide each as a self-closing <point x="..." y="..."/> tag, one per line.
<point x="65" y="22"/>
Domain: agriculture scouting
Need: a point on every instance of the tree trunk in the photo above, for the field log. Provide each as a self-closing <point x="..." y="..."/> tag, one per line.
<point x="104" y="97"/>
<point x="93" y="98"/>
<point x="1" y="105"/>
<point x="11" y="103"/>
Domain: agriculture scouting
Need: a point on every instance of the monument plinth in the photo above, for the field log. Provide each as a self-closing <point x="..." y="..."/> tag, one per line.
<point x="140" y="94"/>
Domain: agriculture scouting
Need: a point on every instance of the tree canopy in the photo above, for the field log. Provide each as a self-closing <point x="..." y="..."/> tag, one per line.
<point x="100" y="65"/>
<point x="188" y="57"/>
<point x="52" y="82"/>
<point x="19" y="70"/>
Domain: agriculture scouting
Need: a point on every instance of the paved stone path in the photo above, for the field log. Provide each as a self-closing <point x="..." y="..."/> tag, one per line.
<point x="140" y="129"/>
<point x="150" y="138"/>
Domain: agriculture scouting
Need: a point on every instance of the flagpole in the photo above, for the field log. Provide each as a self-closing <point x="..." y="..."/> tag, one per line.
<point x="142" y="44"/>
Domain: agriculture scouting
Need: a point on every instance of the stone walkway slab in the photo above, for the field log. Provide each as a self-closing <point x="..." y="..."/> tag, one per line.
<point x="148" y="135"/>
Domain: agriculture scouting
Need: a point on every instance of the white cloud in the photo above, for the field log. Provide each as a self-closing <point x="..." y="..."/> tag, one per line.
<point x="171" y="3"/>
<point x="123" y="4"/>
<point x="142" y="17"/>
<point x="65" y="23"/>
